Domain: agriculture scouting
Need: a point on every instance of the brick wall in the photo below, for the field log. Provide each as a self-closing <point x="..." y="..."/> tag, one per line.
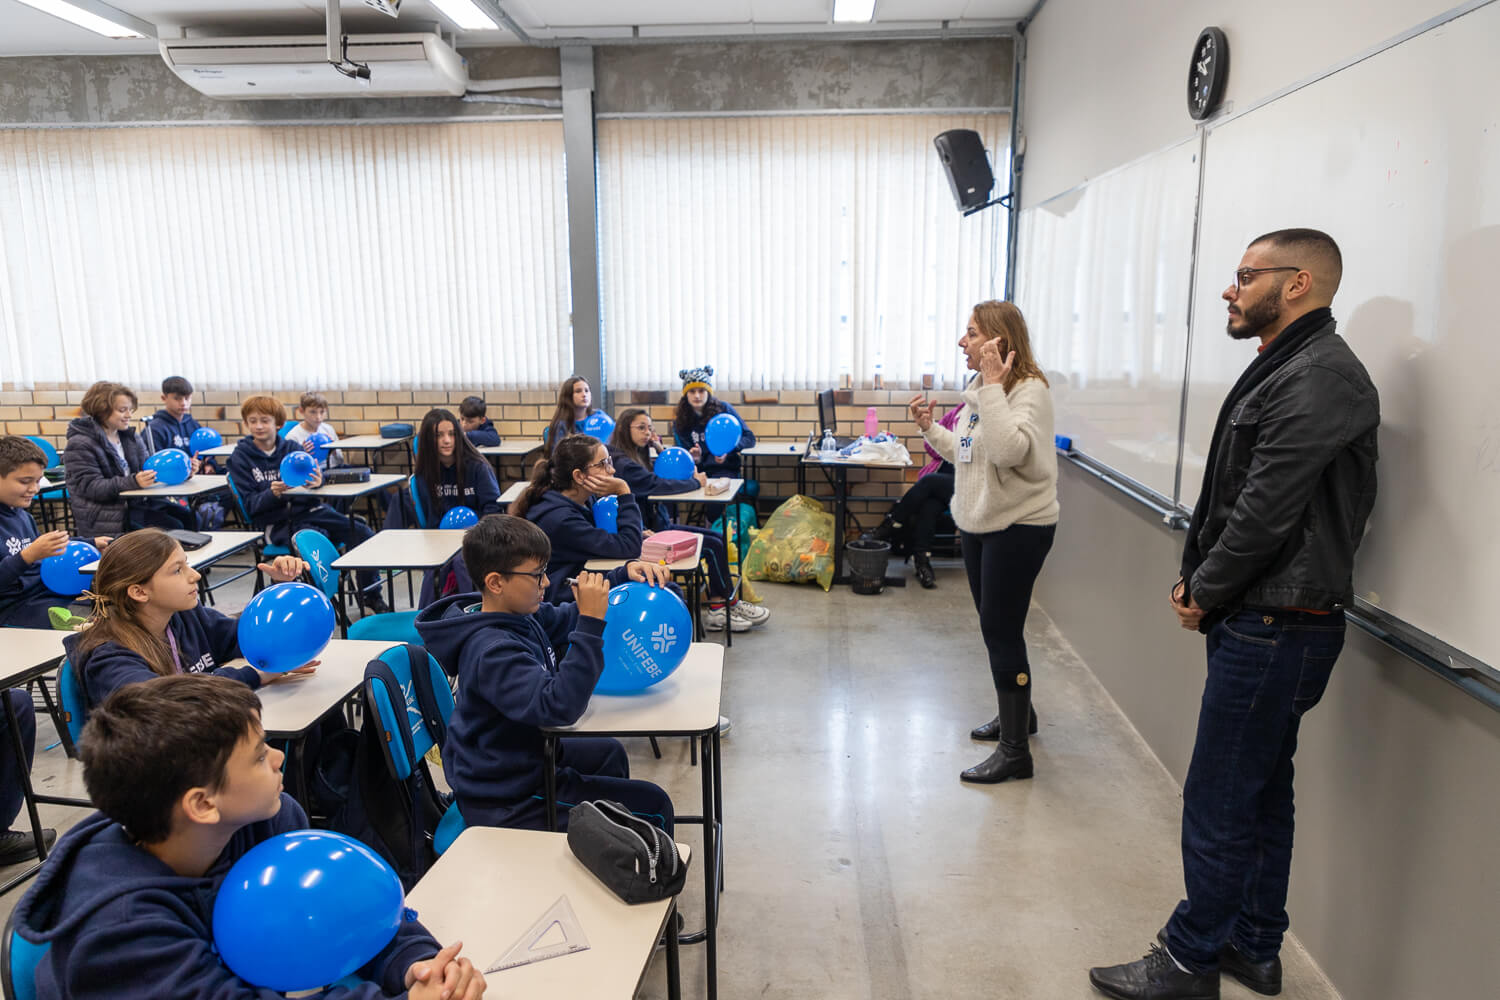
<point x="787" y="415"/>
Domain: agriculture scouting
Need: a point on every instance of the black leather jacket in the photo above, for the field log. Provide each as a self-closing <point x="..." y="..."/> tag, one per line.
<point x="1290" y="480"/>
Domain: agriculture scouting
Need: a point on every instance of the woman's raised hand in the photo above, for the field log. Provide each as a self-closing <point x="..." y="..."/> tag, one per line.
<point x="921" y="411"/>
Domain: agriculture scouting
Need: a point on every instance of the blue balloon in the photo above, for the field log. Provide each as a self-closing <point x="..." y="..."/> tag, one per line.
<point x="458" y="517"/>
<point x="60" y="572"/>
<point x="674" y="463"/>
<point x="203" y="439"/>
<point x="297" y="468"/>
<point x="171" y="465"/>
<point x="284" y="626"/>
<point x="607" y="514"/>
<point x="722" y="434"/>
<point x="320" y="442"/>
<point x="599" y="424"/>
<point x="302" y="910"/>
<point x="647" y="631"/>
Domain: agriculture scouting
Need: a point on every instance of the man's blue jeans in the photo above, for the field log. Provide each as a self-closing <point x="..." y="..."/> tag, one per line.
<point x="1266" y="669"/>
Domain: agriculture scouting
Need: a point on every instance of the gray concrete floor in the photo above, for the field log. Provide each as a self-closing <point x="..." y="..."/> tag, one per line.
<point x="857" y="864"/>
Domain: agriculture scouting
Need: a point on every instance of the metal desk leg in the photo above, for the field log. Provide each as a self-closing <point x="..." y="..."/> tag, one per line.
<point x="840" y="520"/>
<point x="549" y="779"/>
<point x="711" y="875"/>
<point x="718" y="815"/>
<point x="734" y="593"/>
<point x="674" y="967"/>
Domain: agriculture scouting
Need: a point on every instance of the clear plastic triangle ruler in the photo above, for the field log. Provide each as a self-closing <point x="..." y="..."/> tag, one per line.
<point x="555" y="934"/>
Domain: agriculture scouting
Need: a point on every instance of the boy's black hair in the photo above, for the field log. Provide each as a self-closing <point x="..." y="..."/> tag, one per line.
<point x="151" y="742"/>
<point x="16" y="451"/>
<point x="499" y="543"/>
<point x="471" y="407"/>
<point x="176" y="385"/>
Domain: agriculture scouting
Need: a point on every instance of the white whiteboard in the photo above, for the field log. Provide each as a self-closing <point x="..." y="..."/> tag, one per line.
<point x="1103" y="276"/>
<point x="1398" y="158"/>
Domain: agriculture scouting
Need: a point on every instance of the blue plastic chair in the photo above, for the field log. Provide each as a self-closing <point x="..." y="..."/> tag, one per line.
<point x="314" y="548"/>
<point x="18" y="961"/>
<point x="53" y="458"/>
<point x="406" y="735"/>
<point x="75" y="710"/>
<point x="263" y="548"/>
<point x="416" y="502"/>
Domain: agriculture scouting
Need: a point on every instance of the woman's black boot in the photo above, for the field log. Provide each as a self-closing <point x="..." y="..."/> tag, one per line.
<point x="1012" y="758"/>
<point x="991" y="730"/>
<point x="922" y="563"/>
<point x="885" y="530"/>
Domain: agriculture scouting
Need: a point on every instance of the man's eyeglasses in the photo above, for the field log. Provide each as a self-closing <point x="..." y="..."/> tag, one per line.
<point x="540" y="576"/>
<point x="1245" y="275"/>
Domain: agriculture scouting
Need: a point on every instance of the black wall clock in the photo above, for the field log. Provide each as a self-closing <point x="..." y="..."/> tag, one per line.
<point x="1207" y="73"/>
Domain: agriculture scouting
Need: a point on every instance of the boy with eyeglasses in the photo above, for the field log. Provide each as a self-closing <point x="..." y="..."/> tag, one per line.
<point x="503" y="644"/>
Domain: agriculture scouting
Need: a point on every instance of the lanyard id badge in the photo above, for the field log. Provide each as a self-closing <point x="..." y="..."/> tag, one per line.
<point x="966" y="440"/>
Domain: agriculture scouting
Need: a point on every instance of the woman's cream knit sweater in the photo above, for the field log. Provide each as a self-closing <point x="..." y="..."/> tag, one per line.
<point x="1013" y="476"/>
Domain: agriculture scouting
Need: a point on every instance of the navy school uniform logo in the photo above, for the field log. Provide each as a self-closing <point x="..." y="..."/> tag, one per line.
<point x="14" y="545"/>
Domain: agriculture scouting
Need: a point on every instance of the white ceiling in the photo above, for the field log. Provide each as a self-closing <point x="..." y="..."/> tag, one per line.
<point x="25" y="31"/>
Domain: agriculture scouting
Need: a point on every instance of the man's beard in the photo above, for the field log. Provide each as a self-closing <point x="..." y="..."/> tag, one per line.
<point x="1259" y="316"/>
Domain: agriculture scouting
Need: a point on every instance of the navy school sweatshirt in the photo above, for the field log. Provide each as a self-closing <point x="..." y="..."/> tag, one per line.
<point x="643" y="483"/>
<point x="695" y="435"/>
<point x="168" y="432"/>
<point x="252" y="472"/>
<point x="24" y="598"/>
<point x="511" y="682"/>
<point x="479" y="491"/>
<point x="485" y="435"/>
<point x="206" y="640"/>
<point x="569" y="526"/>
<point x="123" y="925"/>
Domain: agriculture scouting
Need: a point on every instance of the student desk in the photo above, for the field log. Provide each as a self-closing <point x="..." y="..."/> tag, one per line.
<point x="374" y="442"/>
<point x="290" y="708"/>
<point x="513" y="492"/>
<point x="222" y="451"/>
<point x="723" y="500"/>
<point x="349" y="491"/>
<point x="193" y="489"/>
<point x="407" y="548"/>
<point x="689" y="566"/>
<point x="529" y="870"/>
<point x="840" y="474"/>
<point x="223" y="544"/>
<point x="516" y="449"/>
<point x="685" y="704"/>
<point x="29" y="654"/>
<point x="769" y="449"/>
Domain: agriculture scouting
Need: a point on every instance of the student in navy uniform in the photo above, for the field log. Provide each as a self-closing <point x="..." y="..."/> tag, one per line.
<point x="560" y="500"/>
<point x="312" y="409"/>
<point x="574" y="405"/>
<point x="695" y="409"/>
<point x="255" y="471"/>
<point x="450" y="472"/>
<point x="502" y="643"/>
<point x="478" y="428"/>
<point x="185" y="785"/>
<point x="172" y="426"/>
<point x="148" y="622"/>
<point x="104" y="458"/>
<point x="630" y="447"/>
<point x="24" y="598"/>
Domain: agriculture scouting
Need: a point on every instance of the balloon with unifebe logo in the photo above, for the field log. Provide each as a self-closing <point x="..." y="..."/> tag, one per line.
<point x="647" y="631"/>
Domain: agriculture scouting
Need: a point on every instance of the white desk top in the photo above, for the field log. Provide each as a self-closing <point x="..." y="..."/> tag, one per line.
<point x="686" y="564"/>
<point x="858" y="463"/>
<point x="222" y="451"/>
<point x="223" y="544"/>
<point x="513" y="492"/>
<point x="27" y="648"/>
<point x="378" y="481"/>
<point x="686" y="702"/>
<point x="288" y="708"/>
<point x="775" y="448"/>
<point x="516" y="447"/>
<point x="408" y="548"/>
<point x="698" y="496"/>
<point x="193" y="486"/>
<point x="493" y="884"/>
<point x="369" y="441"/>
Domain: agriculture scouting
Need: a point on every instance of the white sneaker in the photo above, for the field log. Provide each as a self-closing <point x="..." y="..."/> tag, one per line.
<point x="714" y="620"/>
<point x="751" y="614"/>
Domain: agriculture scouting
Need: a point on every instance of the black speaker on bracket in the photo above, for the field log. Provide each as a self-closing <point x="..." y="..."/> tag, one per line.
<point x="967" y="166"/>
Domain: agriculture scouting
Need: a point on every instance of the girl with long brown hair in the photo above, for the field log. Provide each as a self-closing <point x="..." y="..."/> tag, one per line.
<point x="148" y="621"/>
<point x="574" y="405"/>
<point x="1005" y="506"/>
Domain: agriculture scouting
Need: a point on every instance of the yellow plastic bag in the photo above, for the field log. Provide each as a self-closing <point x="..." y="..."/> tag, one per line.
<point x="747" y="592"/>
<point x="794" y="546"/>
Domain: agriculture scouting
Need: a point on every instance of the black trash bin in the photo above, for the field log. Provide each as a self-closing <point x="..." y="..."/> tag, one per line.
<point x="867" y="559"/>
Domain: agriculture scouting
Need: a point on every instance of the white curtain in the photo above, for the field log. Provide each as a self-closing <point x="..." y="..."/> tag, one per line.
<point x="785" y="250"/>
<point x="421" y="256"/>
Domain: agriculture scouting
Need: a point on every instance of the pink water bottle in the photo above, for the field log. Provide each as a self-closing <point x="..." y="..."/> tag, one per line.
<point x="872" y="422"/>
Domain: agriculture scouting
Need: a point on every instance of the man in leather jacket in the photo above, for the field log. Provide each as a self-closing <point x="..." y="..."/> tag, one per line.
<point x="1266" y="574"/>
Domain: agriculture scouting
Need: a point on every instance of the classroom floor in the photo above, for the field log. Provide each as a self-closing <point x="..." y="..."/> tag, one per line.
<point x="857" y="865"/>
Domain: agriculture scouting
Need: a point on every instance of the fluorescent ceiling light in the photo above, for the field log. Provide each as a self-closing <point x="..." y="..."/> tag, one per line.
<point x="466" y="14"/>
<point x="102" y="24"/>
<point x="854" y="10"/>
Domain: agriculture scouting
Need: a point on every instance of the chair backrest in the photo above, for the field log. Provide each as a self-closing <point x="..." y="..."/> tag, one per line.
<point x="239" y="501"/>
<point x="53" y="459"/>
<point x="415" y="490"/>
<point x="314" y="548"/>
<point x="403" y="708"/>
<point x="74" y="701"/>
<point x="18" y="961"/>
<point x="286" y="428"/>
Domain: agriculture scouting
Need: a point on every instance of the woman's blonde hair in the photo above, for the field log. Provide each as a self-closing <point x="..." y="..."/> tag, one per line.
<point x="1003" y="320"/>
<point x="130" y="559"/>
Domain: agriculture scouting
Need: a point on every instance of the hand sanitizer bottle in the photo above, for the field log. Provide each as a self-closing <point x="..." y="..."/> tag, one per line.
<point x="828" y="449"/>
